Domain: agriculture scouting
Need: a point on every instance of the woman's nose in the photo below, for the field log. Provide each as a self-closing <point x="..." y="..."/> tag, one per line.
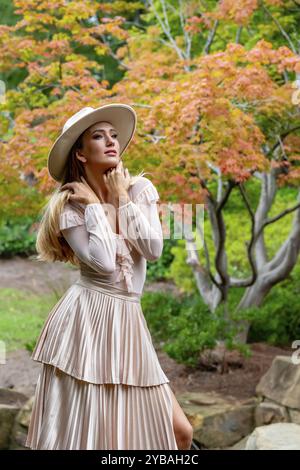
<point x="109" y="140"/>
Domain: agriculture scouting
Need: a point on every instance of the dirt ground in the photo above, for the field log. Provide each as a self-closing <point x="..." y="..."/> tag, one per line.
<point x="20" y="372"/>
<point x="39" y="277"/>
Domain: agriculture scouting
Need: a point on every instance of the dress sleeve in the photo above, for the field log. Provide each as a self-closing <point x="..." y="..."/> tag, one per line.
<point x="90" y="236"/>
<point x="140" y="223"/>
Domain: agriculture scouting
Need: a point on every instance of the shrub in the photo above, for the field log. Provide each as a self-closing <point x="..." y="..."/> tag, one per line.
<point x="277" y="321"/>
<point x="16" y="238"/>
<point x="158" y="270"/>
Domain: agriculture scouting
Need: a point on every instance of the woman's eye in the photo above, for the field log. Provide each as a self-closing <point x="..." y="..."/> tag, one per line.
<point x="114" y="135"/>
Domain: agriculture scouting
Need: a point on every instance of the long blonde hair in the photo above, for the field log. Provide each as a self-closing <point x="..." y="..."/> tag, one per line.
<point x="50" y="244"/>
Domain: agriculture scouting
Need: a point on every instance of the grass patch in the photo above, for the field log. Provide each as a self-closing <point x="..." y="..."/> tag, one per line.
<point x="22" y="316"/>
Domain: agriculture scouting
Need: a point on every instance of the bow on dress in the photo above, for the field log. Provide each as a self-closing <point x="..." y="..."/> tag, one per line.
<point x="125" y="262"/>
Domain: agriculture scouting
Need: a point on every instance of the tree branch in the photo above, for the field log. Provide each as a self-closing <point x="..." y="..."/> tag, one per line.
<point x="282" y="137"/>
<point x="166" y="29"/>
<point x="238" y="34"/>
<point x="283" y="32"/>
<point x="188" y="39"/>
<point x="282" y="214"/>
<point x="220" y="259"/>
<point x="210" y="38"/>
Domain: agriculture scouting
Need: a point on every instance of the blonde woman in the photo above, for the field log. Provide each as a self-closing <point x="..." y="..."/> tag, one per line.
<point x="101" y="385"/>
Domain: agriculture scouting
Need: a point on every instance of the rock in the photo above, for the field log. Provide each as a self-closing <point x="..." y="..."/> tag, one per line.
<point x="294" y="416"/>
<point x="277" y="436"/>
<point x="12" y="397"/>
<point x="240" y="445"/>
<point x="21" y="372"/>
<point x="21" y="424"/>
<point x="281" y="383"/>
<point x="218" y="422"/>
<point x="7" y="416"/>
<point x="10" y="404"/>
<point x="268" y="412"/>
<point x="220" y="358"/>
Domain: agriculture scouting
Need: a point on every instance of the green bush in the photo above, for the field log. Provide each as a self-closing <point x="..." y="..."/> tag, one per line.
<point x="184" y="328"/>
<point x="277" y="321"/>
<point x="159" y="308"/>
<point x="196" y="329"/>
<point x="158" y="270"/>
<point x="15" y="238"/>
<point x="179" y="271"/>
<point x="191" y="331"/>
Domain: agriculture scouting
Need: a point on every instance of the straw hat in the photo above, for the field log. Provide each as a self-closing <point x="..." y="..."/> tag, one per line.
<point x="121" y="116"/>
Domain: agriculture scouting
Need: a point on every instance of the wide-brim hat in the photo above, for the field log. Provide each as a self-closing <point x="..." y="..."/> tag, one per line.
<point x="121" y="116"/>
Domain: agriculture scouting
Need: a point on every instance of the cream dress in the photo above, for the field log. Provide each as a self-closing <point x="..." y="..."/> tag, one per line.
<point x="101" y="385"/>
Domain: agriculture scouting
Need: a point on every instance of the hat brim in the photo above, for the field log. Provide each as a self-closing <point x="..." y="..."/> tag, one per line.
<point x="121" y="116"/>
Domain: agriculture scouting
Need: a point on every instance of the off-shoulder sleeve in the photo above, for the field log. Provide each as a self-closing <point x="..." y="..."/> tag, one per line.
<point x="70" y="218"/>
<point x="139" y="220"/>
<point x="93" y="242"/>
<point x="147" y="194"/>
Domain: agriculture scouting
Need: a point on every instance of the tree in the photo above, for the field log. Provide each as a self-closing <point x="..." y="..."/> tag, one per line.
<point x="219" y="119"/>
<point x="61" y="48"/>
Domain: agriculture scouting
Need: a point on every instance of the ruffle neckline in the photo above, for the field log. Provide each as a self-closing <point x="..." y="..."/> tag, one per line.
<point x="148" y="194"/>
<point x="125" y="262"/>
<point x="123" y="257"/>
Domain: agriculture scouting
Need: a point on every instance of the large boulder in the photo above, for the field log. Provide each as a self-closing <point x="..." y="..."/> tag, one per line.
<point x="10" y="404"/>
<point x="20" y="427"/>
<point x="218" y="422"/>
<point x="294" y="416"/>
<point x="281" y="383"/>
<point x="268" y="412"/>
<point x="277" y="436"/>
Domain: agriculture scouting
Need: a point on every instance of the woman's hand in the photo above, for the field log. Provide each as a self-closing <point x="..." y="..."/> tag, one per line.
<point x="117" y="182"/>
<point x="82" y="192"/>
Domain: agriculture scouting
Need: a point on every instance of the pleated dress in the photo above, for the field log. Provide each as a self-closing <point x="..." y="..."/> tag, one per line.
<point x="101" y="386"/>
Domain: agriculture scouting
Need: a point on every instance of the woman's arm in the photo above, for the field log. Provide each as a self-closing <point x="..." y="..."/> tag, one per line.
<point x="140" y="224"/>
<point x="93" y="241"/>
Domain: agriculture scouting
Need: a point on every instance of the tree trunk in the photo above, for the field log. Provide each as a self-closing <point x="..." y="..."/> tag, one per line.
<point x="253" y="297"/>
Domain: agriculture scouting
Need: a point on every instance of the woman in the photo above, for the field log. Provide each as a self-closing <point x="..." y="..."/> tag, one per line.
<point x="101" y="385"/>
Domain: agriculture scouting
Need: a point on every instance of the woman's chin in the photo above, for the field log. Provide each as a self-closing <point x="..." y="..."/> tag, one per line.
<point x="112" y="159"/>
<point x="112" y="164"/>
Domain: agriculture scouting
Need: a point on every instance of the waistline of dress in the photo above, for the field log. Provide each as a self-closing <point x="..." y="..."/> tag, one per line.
<point x="111" y="290"/>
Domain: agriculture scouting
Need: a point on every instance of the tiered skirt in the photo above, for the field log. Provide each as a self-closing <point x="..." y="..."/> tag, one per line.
<point x="101" y="386"/>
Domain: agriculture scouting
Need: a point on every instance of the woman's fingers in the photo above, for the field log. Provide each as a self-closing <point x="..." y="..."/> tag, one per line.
<point x="69" y="185"/>
<point x="66" y="187"/>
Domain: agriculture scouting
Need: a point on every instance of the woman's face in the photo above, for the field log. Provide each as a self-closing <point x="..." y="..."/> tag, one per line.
<point x="101" y="148"/>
